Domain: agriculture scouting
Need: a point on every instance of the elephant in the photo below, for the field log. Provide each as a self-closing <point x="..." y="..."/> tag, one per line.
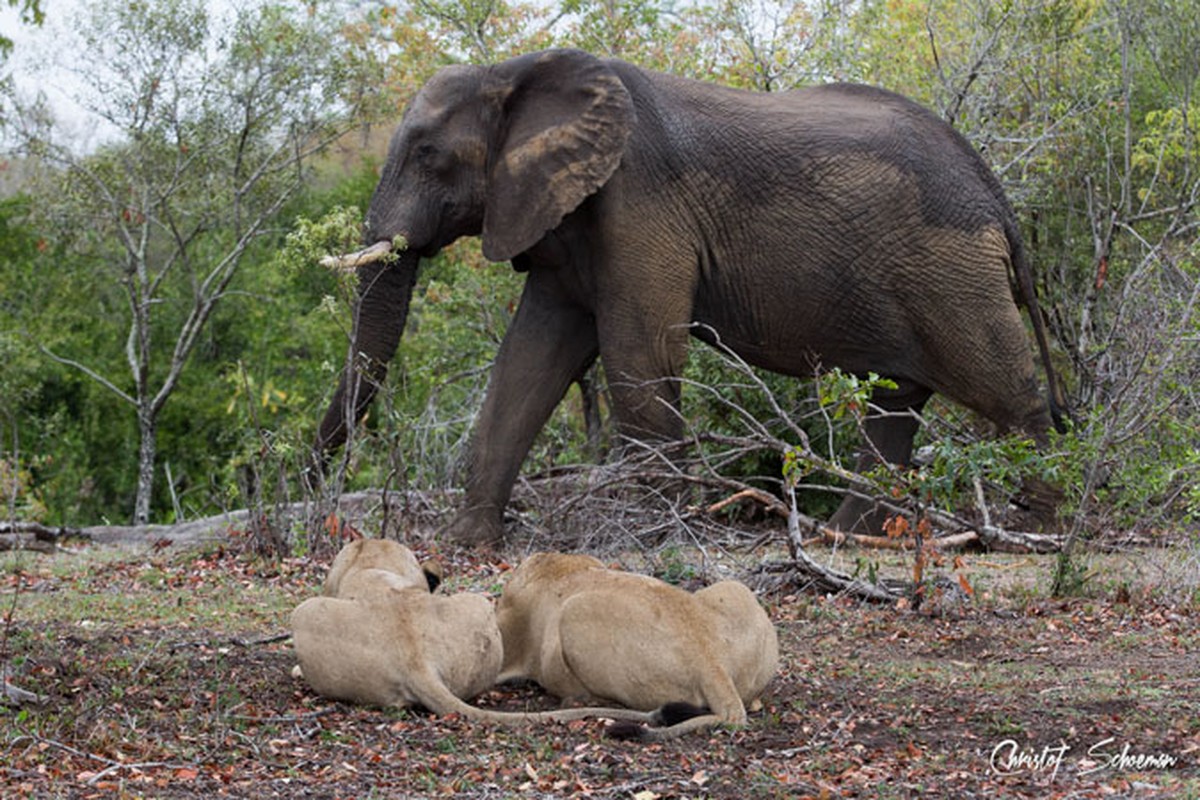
<point x="839" y="225"/>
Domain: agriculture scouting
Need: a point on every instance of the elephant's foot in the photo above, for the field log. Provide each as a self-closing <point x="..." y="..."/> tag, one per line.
<point x="476" y="527"/>
<point x="857" y="515"/>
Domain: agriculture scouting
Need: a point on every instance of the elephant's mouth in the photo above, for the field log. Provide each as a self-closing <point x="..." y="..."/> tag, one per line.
<point x="368" y="255"/>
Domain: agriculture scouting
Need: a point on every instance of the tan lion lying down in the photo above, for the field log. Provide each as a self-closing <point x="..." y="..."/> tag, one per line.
<point x="588" y="633"/>
<point x="380" y="636"/>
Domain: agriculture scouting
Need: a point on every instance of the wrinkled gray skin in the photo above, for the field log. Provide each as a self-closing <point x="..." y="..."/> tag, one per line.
<point x="836" y="226"/>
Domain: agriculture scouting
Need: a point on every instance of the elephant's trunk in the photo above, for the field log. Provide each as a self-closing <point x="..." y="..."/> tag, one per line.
<point x="384" y="291"/>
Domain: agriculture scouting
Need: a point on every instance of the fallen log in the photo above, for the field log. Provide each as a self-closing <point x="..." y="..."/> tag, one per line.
<point x="43" y="533"/>
<point x="35" y="536"/>
<point x="25" y="541"/>
<point x="352" y="507"/>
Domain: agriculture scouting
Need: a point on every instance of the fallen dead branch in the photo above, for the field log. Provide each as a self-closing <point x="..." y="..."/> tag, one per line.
<point x="25" y="541"/>
<point x="828" y="579"/>
<point x="14" y="695"/>
<point x="259" y="642"/>
<point x="902" y="544"/>
<point x="766" y="499"/>
<point x="989" y="536"/>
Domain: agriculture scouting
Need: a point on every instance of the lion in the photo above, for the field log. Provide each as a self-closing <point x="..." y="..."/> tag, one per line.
<point x="380" y="636"/>
<point x="587" y="633"/>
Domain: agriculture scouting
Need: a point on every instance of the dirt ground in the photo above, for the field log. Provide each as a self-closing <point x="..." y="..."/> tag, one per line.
<point x="165" y="674"/>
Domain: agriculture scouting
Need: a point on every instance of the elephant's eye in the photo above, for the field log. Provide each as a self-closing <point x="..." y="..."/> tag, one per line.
<point x="430" y="159"/>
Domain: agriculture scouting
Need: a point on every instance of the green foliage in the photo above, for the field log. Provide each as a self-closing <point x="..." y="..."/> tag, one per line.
<point x="949" y="478"/>
<point x="1086" y="109"/>
<point x="951" y="468"/>
<point x="618" y="28"/>
<point x="338" y="231"/>
<point x="1070" y="576"/>
<point x="19" y="499"/>
<point x="1164" y="149"/>
<point x="1143" y="482"/>
<point x="217" y="119"/>
<point x="675" y="568"/>
<point x="844" y="395"/>
<point x="718" y="399"/>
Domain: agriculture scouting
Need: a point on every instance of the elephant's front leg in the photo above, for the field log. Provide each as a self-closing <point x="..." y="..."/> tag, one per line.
<point x="550" y="342"/>
<point x="890" y="433"/>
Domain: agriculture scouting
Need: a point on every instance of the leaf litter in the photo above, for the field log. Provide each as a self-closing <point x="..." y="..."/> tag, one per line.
<point x="167" y="674"/>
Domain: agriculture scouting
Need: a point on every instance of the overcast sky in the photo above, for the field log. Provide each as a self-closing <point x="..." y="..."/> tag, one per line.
<point x="37" y="65"/>
<point x="40" y="59"/>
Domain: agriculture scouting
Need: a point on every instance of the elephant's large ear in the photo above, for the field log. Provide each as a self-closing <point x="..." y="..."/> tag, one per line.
<point x="566" y="120"/>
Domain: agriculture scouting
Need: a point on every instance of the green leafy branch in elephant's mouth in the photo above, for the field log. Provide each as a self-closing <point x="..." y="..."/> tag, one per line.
<point x="339" y="231"/>
<point x="327" y="240"/>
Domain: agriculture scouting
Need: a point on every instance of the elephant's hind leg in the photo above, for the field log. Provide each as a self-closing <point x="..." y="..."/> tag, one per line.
<point x="643" y="344"/>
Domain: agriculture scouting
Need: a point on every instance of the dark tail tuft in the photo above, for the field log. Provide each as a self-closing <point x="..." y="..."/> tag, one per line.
<point x="667" y="716"/>
<point x="675" y="713"/>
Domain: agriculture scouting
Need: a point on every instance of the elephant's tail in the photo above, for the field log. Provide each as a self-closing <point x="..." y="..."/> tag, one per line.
<point x="1027" y="294"/>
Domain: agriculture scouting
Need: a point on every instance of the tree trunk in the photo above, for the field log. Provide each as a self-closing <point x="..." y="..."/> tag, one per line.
<point x="147" y="447"/>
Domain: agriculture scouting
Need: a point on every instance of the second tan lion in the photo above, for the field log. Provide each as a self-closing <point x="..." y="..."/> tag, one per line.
<point x="589" y="633"/>
<point x="379" y="636"/>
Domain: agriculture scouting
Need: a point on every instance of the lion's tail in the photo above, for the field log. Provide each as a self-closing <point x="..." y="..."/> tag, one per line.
<point x="678" y="719"/>
<point x="671" y="721"/>
<point x="668" y="722"/>
<point x="440" y="700"/>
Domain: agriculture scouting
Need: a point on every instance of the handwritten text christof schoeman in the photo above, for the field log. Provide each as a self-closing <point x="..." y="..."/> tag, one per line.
<point x="1009" y="758"/>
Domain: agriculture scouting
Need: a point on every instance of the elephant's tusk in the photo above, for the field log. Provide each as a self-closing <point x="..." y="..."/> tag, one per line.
<point x="349" y="261"/>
